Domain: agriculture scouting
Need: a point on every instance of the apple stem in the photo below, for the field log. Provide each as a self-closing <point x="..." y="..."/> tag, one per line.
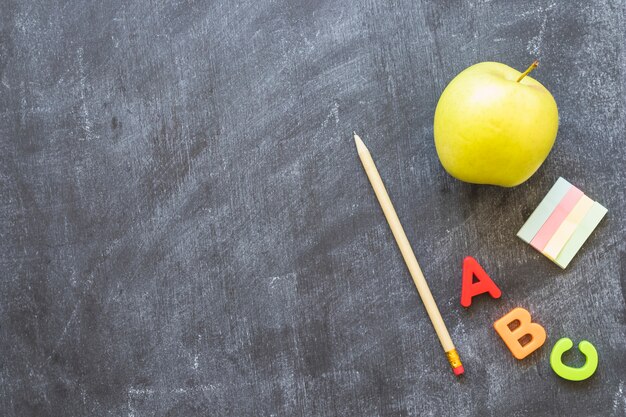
<point x="528" y="70"/>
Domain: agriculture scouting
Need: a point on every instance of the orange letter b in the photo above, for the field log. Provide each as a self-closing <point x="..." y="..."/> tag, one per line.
<point x="513" y="336"/>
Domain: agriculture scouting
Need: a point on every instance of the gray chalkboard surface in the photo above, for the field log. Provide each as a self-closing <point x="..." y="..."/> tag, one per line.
<point x="186" y="228"/>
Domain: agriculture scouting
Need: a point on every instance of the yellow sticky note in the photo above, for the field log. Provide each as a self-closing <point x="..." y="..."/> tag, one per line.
<point x="565" y="231"/>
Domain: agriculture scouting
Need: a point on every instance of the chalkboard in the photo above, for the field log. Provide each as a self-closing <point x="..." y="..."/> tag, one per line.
<point x="186" y="228"/>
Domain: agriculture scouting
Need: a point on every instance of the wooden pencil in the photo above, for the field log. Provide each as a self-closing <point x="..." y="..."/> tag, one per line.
<point x="409" y="256"/>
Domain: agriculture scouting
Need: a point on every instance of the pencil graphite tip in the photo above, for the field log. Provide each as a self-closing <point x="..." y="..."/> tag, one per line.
<point x="360" y="146"/>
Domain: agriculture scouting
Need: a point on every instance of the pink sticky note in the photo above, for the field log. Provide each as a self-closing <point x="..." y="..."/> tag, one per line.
<point x="561" y="211"/>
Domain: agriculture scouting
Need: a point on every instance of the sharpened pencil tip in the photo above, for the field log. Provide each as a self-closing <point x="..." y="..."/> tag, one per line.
<point x="360" y="146"/>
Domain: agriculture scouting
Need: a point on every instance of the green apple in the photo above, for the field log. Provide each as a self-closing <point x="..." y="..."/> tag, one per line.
<point x="494" y="125"/>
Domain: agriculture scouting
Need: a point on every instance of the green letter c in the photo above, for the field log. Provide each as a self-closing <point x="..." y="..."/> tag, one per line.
<point x="567" y="372"/>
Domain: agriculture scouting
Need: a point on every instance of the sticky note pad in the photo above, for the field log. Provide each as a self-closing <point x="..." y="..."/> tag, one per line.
<point x="543" y="210"/>
<point x="567" y="228"/>
<point x="560" y="212"/>
<point x="562" y="222"/>
<point x="581" y="234"/>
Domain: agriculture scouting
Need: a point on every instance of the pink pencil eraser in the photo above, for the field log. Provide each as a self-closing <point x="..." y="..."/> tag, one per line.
<point x="458" y="370"/>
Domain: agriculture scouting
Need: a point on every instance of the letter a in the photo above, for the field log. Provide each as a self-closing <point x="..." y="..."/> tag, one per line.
<point x="469" y="288"/>
<point x="525" y="328"/>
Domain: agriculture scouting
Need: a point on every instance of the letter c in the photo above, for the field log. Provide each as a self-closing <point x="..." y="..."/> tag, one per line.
<point x="567" y="372"/>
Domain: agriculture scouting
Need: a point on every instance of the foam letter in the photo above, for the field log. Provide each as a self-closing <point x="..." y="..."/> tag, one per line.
<point x="567" y="372"/>
<point x="526" y="328"/>
<point x="469" y="289"/>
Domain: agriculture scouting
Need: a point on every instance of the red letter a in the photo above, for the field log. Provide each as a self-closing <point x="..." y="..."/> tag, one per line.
<point x="472" y="269"/>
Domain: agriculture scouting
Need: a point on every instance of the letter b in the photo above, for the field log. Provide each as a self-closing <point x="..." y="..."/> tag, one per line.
<point x="526" y="328"/>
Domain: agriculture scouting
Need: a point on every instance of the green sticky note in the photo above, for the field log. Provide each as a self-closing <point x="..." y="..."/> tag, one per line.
<point x="582" y="233"/>
<point x="543" y="210"/>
